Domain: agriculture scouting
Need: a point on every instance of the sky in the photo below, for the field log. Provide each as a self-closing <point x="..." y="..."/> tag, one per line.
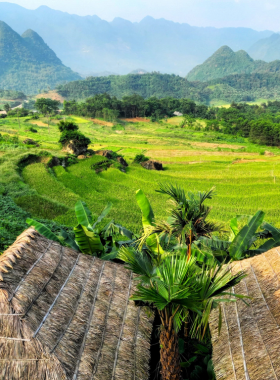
<point x="256" y="14"/>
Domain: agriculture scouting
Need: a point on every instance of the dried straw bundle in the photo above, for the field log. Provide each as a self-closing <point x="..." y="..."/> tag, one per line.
<point x="249" y="344"/>
<point x="72" y="314"/>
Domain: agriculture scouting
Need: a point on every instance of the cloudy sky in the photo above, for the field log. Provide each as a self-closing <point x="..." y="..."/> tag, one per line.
<point x="257" y="14"/>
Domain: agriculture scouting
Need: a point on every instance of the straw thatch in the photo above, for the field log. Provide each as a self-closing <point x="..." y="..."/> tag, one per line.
<point x="65" y="315"/>
<point x="248" y="347"/>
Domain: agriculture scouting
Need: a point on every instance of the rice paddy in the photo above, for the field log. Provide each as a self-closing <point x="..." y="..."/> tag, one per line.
<point x="245" y="179"/>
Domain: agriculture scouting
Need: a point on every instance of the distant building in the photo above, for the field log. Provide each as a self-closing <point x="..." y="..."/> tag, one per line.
<point x="176" y="113"/>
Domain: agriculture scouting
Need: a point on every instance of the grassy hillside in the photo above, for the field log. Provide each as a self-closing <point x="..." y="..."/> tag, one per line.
<point x="27" y="64"/>
<point x="245" y="180"/>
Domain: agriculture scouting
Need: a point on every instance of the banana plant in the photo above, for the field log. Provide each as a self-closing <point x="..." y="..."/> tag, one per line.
<point x="89" y="237"/>
<point x="152" y="240"/>
<point x="242" y="241"/>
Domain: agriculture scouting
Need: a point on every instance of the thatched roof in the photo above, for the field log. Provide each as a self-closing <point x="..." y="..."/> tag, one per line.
<point x="248" y="347"/>
<point x="65" y="315"/>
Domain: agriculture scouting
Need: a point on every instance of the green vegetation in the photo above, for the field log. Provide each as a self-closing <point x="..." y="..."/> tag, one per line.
<point x="196" y="232"/>
<point x="69" y="133"/>
<point x="28" y="64"/>
<point x="225" y="62"/>
<point x="238" y="87"/>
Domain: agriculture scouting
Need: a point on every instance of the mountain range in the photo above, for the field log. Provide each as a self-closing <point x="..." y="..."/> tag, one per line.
<point x="266" y="49"/>
<point x="90" y="45"/>
<point x="225" y="62"/>
<point x="27" y="63"/>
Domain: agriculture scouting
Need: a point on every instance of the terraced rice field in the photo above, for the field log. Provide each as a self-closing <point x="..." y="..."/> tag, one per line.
<point x="245" y="181"/>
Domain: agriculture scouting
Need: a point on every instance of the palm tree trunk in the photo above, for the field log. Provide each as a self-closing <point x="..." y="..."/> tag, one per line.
<point x="169" y="355"/>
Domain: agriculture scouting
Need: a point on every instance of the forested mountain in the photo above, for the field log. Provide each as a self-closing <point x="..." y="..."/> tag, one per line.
<point x="91" y="45"/>
<point x="226" y="62"/>
<point x="238" y="88"/>
<point x="267" y="49"/>
<point x="27" y="64"/>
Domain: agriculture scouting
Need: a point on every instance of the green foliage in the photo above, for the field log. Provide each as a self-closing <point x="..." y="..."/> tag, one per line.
<point x="237" y="87"/>
<point x="28" y="63"/>
<point x="68" y="126"/>
<point x="89" y="237"/>
<point x="12" y="222"/>
<point x="140" y="158"/>
<point x="46" y="105"/>
<point x="225" y="62"/>
<point x="135" y="106"/>
<point x="246" y="241"/>
<point x="70" y="133"/>
<point x="11" y="94"/>
<point x="32" y="129"/>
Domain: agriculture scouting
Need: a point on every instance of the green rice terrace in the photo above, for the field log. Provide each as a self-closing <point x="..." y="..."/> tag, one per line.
<point x="245" y="179"/>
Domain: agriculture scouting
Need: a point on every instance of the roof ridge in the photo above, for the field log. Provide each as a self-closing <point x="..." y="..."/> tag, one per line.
<point x="14" y="252"/>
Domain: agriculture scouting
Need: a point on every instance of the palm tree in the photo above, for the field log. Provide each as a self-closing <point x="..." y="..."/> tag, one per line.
<point x="188" y="214"/>
<point x="188" y="220"/>
<point x="176" y="287"/>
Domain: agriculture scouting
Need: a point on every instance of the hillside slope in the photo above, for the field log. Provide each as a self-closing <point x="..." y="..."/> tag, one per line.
<point x="27" y="64"/>
<point x="91" y="45"/>
<point x="267" y="49"/>
<point x="225" y="62"/>
<point x="238" y="88"/>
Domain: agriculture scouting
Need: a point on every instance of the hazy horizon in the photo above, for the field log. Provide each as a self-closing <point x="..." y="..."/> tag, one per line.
<point x="258" y="14"/>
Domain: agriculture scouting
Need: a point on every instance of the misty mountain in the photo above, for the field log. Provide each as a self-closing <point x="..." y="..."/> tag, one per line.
<point x="91" y="45"/>
<point x="225" y="62"/>
<point x="267" y="49"/>
<point x="27" y="64"/>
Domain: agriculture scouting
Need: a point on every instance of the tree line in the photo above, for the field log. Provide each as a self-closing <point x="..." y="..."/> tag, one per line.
<point x="111" y="108"/>
<point x="260" y="123"/>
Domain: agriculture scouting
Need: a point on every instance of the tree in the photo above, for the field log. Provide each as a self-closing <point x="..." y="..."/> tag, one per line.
<point x="70" y="135"/>
<point x="47" y="107"/>
<point x="181" y="292"/>
<point x="7" y="107"/>
<point x="188" y="220"/>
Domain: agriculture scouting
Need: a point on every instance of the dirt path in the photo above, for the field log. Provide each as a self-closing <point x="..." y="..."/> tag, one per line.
<point x="216" y="145"/>
<point x="184" y="153"/>
<point x="136" y="120"/>
<point x="102" y="122"/>
<point x="38" y="123"/>
<point x="248" y="161"/>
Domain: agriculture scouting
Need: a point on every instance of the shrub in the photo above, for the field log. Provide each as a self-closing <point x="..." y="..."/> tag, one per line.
<point x="69" y="132"/>
<point x="32" y="129"/>
<point x="140" y="158"/>
<point x="67" y="126"/>
<point x="79" y="138"/>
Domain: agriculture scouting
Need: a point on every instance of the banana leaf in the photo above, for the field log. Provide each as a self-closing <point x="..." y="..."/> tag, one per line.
<point x="271" y="243"/>
<point x="103" y="215"/>
<point x="241" y="242"/>
<point x="68" y="240"/>
<point x="148" y="219"/>
<point x="87" y="241"/>
<point x="83" y="215"/>
<point x="234" y="228"/>
<point x="43" y="230"/>
<point x="215" y="243"/>
<point x="148" y="216"/>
